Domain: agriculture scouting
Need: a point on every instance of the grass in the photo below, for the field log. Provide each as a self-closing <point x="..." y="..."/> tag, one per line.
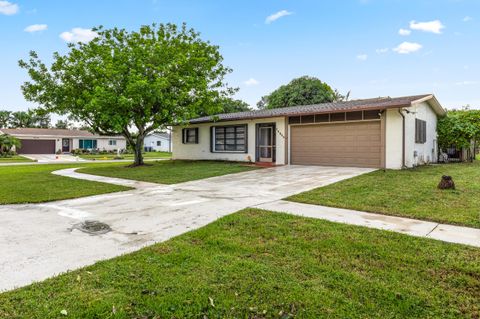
<point x="35" y="183"/>
<point x="258" y="264"/>
<point x="147" y="155"/>
<point x="410" y="193"/>
<point x="169" y="172"/>
<point x="14" y="159"/>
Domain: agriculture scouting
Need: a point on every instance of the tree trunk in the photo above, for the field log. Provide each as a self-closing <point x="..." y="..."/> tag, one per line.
<point x="138" y="148"/>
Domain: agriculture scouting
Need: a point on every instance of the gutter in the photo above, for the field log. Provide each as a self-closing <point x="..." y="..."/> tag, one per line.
<point x="403" y="138"/>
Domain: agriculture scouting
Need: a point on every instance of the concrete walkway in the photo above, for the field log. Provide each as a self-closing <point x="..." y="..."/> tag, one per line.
<point x="71" y="172"/>
<point x="82" y="161"/>
<point x="414" y="227"/>
<point x="37" y="240"/>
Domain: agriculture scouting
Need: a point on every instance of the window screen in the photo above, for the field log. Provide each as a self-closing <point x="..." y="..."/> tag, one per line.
<point x="420" y="131"/>
<point x="190" y="135"/>
<point x="230" y="138"/>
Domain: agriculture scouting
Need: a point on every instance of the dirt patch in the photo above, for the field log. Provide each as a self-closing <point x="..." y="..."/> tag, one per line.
<point x="92" y="227"/>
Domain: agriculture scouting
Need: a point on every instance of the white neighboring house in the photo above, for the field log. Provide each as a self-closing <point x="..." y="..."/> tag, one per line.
<point x="51" y="141"/>
<point x="157" y="142"/>
<point x="381" y="132"/>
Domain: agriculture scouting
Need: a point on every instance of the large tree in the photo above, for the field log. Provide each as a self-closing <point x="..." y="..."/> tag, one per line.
<point x="131" y="83"/>
<point x="304" y="90"/>
<point x="459" y="128"/>
<point x="5" y="118"/>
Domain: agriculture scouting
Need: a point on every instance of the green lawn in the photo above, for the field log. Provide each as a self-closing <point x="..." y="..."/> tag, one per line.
<point x="147" y="155"/>
<point x="410" y="193"/>
<point x="258" y="264"/>
<point x="35" y="183"/>
<point x="169" y="172"/>
<point x="14" y="159"/>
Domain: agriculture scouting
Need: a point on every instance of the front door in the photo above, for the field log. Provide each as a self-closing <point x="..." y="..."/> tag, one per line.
<point x="265" y="144"/>
<point x="65" y="145"/>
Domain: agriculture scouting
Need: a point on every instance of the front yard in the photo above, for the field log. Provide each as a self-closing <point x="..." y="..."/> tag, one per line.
<point x="258" y="264"/>
<point x="36" y="183"/>
<point x="14" y="159"/>
<point x="410" y="193"/>
<point x="169" y="172"/>
<point x="147" y="155"/>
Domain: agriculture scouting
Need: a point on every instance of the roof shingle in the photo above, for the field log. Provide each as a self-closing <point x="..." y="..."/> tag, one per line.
<point x="353" y="105"/>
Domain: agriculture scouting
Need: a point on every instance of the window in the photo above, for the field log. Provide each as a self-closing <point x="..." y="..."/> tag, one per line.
<point x="87" y="144"/>
<point x="159" y="143"/>
<point x="112" y="142"/>
<point x="190" y="136"/>
<point x="229" y="138"/>
<point x="420" y="131"/>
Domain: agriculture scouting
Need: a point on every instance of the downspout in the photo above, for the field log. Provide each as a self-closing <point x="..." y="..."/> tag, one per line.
<point x="403" y="138"/>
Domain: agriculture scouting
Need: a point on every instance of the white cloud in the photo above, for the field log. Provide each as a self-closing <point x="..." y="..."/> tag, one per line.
<point x="407" y="47"/>
<point x="434" y="26"/>
<point x="36" y="28"/>
<point x="273" y="17"/>
<point x="78" y="35"/>
<point x="382" y="50"/>
<point x="8" y="8"/>
<point x="404" y="32"/>
<point x="251" y="82"/>
<point x="467" y="18"/>
<point x="362" y="57"/>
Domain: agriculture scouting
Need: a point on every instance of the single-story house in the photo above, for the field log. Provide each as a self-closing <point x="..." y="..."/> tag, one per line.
<point x="51" y="141"/>
<point x="382" y="132"/>
<point x="157" y="142"/>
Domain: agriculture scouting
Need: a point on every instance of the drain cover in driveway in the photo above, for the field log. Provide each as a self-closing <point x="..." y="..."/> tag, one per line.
<point x="92" y="227"/>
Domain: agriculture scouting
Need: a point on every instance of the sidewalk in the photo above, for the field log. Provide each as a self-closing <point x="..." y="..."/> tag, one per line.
<point x="413" y="227"/>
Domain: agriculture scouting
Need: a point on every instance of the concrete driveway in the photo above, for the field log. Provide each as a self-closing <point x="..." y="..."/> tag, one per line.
<point x="37" y="242"/>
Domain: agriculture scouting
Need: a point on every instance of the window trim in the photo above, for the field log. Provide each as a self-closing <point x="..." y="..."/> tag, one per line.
<point x="212" y="139"/>
<point x="185" y="135"/>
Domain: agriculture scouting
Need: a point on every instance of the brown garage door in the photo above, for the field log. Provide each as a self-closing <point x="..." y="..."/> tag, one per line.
<point x="37" y="147"/>
<point x="344" y="144"/>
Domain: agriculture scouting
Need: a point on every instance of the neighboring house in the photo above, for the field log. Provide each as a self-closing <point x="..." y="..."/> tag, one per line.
<point x="380" y="132"/>
<point x="51" y="141"/>
<point x="158" y="142"/>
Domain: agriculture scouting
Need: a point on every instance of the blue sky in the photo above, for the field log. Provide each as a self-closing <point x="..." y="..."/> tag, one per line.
<point x="352" y="45"/>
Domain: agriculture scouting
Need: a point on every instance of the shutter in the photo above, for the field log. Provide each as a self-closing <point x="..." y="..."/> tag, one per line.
<point x="424" y="126"/>
<point x="183" y="135"/>
<point x="211" y="139"/>
<point x="196" y="135"/>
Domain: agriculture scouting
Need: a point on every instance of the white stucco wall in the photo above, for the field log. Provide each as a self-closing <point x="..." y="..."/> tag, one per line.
<point x="201" y="151"/>
<point x="419" y="154"/>
<point x="393" y="139"/>
<point x="102" y="143"/>
<point x="415" y="154"/>
<point x="151" y="141"/>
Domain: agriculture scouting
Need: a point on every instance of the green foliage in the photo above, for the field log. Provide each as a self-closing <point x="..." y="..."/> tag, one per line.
<point x="304" y="90"/>
<point x="459" y="128"/>
<point x="229" y="105"/>
<point x="7" y="142"/>
<point x="131" y="83"/>
<point x="62" y="124"/>
<point x="5" y="118"/>
<point x="20" y="119"/>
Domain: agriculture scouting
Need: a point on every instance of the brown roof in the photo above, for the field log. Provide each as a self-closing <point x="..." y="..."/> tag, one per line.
<point x="378" y="103"/>
<point x="46" y="132"/>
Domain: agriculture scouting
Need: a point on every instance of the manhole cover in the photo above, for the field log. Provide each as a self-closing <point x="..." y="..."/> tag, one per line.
<point x="92" y="227"/>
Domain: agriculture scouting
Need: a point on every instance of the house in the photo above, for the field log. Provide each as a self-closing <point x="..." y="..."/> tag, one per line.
<point x="158" y="142"/>
<point x="51" y="141"/>
<point x="381" y="132"/>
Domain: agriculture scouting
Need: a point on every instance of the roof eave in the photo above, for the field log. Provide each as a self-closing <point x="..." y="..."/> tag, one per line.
<point x="434" y="104"/>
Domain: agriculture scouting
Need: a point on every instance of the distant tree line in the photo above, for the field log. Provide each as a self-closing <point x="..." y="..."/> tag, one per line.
<point x="31" y="118"/>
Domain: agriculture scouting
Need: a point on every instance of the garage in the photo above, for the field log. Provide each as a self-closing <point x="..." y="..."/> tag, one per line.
<point x="37" y="147"/>
<point x="357" y="144"/>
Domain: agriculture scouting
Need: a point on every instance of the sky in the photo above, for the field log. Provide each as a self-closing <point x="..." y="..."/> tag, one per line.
<point x="369" y="47"/>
